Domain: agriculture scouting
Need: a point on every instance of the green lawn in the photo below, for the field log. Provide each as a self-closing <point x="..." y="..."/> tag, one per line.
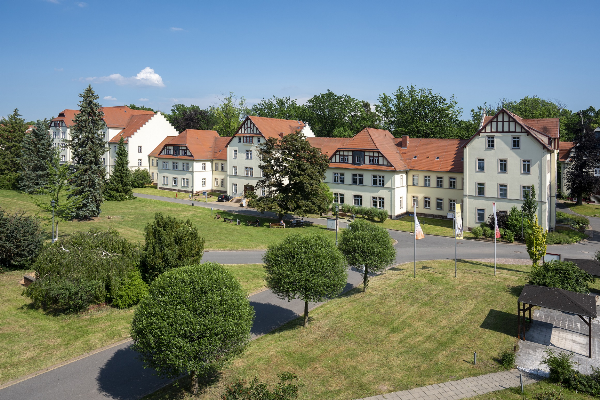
<point x="430" y="226"/>
<point x="402" y="333"/>
<point x="540" y="390"/>
<point x="31" y="340"/>
<point x="174" y="195"/>
<point x="588" y="210"/>
<point x="129" y="218"/>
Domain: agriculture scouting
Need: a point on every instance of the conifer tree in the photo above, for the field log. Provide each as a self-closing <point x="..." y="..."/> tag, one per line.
<point x="87" y="147"/>
<point x="118" y="187"/>
<point x="12" y="130"/>
<point x="36" y="155"/>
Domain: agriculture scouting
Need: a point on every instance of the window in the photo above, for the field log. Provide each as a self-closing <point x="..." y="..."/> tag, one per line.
<point x="502" y="191"/>
<point x="415" y="180"/>
<point x="258" y="141"/>
<point x="165" y="165"/>
<point x="263" y="191"/>
<point x="338" y="177"/>
<point x="452" y="205"/>
<point x="248" y="139"/>
<point x="249" y="171"/>
<point x="516" y="142"/>
<point x="401" y="180"/>
<point x="203" y="166"/>
<point x="439" y="181"/>
<point x="234" y="188"/>
<point x="152" y="162"/>
<point x="480" y="164"/>
<point x="525" y="190"/>
<point x="203" y="182"/>
<point x="222" y="167"/>
<point x="248" y="155"/>
<point x="427" y="182"/>
<point x="222" y="182"/>
<point x="216" y="182"/>
<point x="174" y="181"/>
<point x="439" y="204"/>
<point x="427" y="202"/>
<point x="139" y="149"/>
<point x="452" y="183"/>
<point x="415" y="201"/>
<point x="63" y="158"/>
<point x="526" y="166"/>
<point x="152" y="176"/>
<point x="165" y="180"/>
<point x="185" y="166"/>
<point x="185" y="182"/>
<point x="357" y="179"/>
<point x="596" y="171"/>
<point x="357" y="200"/>
<point x="378" y="202"/>
<point x="338" y="198"/>
<point x="490" y="142"/>
<point x="234" y="153"/>
<point x="377" y="180"/>
<point x="502" y="165"/>
<point x="239" y="141"/>
<point x="54" y="134"/>
<point x="139" y="162"/>
<point x="342" y="156"/>
<point x="400" y="202"/>
<point x="234" y="170"/>
<point x="63" y="146"/>
<point x="63" y="134"/>
<point x="175" y="165"/>
<point x="481" y="189"/>
<point x="480" y="215"/>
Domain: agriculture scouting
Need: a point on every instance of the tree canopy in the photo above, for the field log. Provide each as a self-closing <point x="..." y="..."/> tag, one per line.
<point x="307" y="267"/>
<point x="134" y="107"/>
<point x="119" y="185"/>
<point x="228" y="114"/>
<point x="12" y="131"/>
<point x="278" y="107"/>
<point x="184" y="117"/>
<point x="292" y="173"/>
<point x="585" y="157"/>
<point x="37" y="154"/>
<point x="194" y="320"/>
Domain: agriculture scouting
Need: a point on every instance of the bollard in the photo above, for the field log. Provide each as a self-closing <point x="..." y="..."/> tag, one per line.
<point x="192" y="204"/>
<point x="475" y="358"/>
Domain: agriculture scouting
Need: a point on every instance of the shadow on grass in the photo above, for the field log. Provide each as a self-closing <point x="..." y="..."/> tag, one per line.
<point x="501" y="322"/>
<point x="491" y="266"/>
<point x="268" y="316"/>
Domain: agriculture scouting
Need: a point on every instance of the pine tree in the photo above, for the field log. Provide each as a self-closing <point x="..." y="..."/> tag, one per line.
<point x="36" y="155"/>
<point x="87" y="147"/>
<point x="12" y="130"/>
<point x="118" y="187"/>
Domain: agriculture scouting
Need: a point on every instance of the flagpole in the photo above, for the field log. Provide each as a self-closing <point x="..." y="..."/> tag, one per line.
<point x="455" y="242"/>
<point x="495" y="230"/>
<point x="415" y="243"/>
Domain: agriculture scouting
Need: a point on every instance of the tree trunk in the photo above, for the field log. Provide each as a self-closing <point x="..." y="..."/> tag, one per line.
<point x="194" y="386"/>
<point x="305" y="313"/>
<point x="579" y="200"/>
<point x="365" y="279"/>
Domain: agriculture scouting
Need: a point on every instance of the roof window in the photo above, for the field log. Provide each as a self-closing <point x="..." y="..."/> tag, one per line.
<point x="437" y="158"/>
<point x="414" y="157"/>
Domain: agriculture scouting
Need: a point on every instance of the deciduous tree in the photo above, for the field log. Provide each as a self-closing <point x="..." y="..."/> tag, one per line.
<point x="536" y="242"/>
<point x="118" y="186"/>
<point x="279" y="107"/>
<point x="306" y="267"/>
<point x="585" y="158"/>
<point x="184" y="117"/>
<point x="195" y="319"/>
<point x="12" y="131"/>
<point x="134" y="107"/>
<point x="229" y="114"/>
<point x="87" y="148"/>
<point x="37" y="154"/>
<point x="368" y="246"/>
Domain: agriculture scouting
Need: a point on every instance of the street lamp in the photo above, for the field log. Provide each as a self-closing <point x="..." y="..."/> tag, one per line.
<point x="53" y="203"/>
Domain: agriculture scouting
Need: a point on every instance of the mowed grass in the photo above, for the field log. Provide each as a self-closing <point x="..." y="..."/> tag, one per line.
<point x="430" y="226"/>
<point x="130" y="218"/>
<point x="539" y="390"/>
<point x="174" y="195"/>
<point x="31" y="340"/>
<point x="400" y="334"/>
<point x="588" y="210"/>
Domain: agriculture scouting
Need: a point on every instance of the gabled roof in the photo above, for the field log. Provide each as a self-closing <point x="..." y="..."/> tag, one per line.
<point x="564" y="150"/>
<point x="441" y="155"/>
<point x="133" y="125"/>
<point x="327" y="145"/>
<point x="203" y="144"/>
<point x="157" y="150"/>
<point x="114" y="117"/>
<point x="274" y="127"/>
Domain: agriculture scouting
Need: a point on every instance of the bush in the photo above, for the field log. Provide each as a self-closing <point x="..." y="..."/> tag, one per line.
<point x="561" y="274"/>
<point x="129" y="291"/>
<point x="507" y="359"/>
<point x="564" y="237"/>
<point x="92" y="263"/>
<point x="562" y="372"/>
<point x="508" y="236"/>
<point x="21" y="240"/>
<point x="140" y="178"/>
<point x="170" y="243"/>
<point x="514" y="221"/>
<point x="576" y="222"/>
<point x="286" y="389"/>
<point x="486" y="231"/>
<point x="477" y="232"/>
<point x="561" y="366"/>
<point x="549" y="394"/>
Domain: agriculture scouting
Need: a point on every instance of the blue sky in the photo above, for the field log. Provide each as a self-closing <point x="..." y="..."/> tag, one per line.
<point x="158" y="53"/>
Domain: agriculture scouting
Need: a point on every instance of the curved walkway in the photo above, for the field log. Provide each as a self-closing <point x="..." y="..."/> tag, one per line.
<point x="116" y="373"/>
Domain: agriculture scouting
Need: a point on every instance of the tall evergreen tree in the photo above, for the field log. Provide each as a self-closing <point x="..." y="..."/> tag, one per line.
<point x="12" y="130"/>
<point x="581" y="180"/>
<point x="87" y="147"/>
<point x="36" y="155"/>
<point x="118" y="187"/>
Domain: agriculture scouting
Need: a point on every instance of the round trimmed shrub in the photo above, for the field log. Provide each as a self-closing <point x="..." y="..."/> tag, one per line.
<point x="21" y="240"/>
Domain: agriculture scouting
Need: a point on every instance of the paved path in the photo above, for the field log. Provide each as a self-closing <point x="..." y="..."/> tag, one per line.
<point x="116" y="373"/>
<point x="468" y="387"/>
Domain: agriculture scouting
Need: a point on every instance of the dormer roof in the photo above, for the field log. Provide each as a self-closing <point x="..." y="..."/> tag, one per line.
<point x="202" y="144"/>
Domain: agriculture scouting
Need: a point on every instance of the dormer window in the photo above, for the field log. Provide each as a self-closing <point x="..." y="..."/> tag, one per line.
<point x="358" y="157"/>
<point x="342" y="156"/>
<point x="414" y="157"/>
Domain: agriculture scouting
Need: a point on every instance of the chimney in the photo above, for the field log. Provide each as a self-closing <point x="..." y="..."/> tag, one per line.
<point x="404" y="143"/>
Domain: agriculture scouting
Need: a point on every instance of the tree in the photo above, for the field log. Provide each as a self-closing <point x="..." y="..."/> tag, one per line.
<point x="420" y="113"/>
<point x="184" y="117"/>
<point x="194" y="320"/>
<point x="118" y="187"/>
<point x="12" y="131"/>
<point x="87" y="148"/>
<point x="21" y="240"/>
<point x="140" y="178"/>
<point x="292" y="174"/>
<point x="561" y="274"/>
<point x="36" y="155"/>
<point x="279" y="107"/>
<point x="578" y="123"/>
<point x="536" y="242"/>
<point x="328" y="112"/>
<point x="585" y="158"/>
<point x="170" y="243"/>
<point x="368" y="246"/>
<point x="144" y="108"/>
<point x="229" y="114"/>
<point x="529" y="206"/>
<point x="306" y="267"/>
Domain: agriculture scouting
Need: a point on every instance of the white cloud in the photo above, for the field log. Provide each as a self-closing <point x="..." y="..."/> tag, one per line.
<point x="81" y="4"/>
<point x="59" y="69"/>
<point x="109" y="98"/>
<point x="174" y="29"/>
<point x="143" y="99"/>
<point x="146" y="77"/>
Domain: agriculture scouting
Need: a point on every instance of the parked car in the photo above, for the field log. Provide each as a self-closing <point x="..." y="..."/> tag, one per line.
<point x="224" y="197"/>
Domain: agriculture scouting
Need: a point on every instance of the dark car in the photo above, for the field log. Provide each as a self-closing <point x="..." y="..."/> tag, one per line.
<point x="224" y="197"/>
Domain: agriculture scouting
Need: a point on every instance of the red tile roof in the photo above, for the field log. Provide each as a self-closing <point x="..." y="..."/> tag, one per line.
<point x="564" y="150"/>
<point x="273" y="127"/>
<point x="327" y="145"/>
<point x="441" y="155"/>
<point x="204" y="145"/>
<point x="133" y="125"/>
<point x="114" y="117"/>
